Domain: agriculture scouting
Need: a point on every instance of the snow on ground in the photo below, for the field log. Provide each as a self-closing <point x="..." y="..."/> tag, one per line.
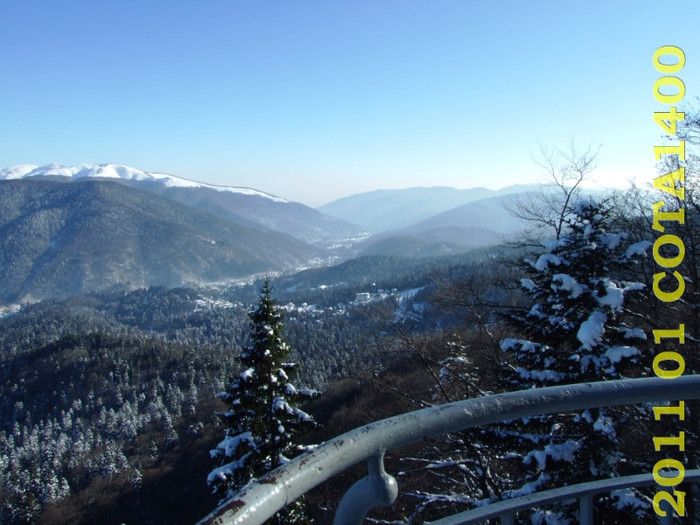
<point x="6" y="311"/>
<point x="207" y="303"/>
<point x="407" y="309"/>
<point x="409" y="294"/>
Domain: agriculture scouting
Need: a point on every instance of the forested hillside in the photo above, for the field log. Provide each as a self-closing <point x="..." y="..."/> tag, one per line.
<point x="59" y="239"/>
<point x="109" y="394"/>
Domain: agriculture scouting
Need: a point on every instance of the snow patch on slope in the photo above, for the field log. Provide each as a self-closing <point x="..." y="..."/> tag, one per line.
<point x="17" y="172"/>
<point x="119" y="171"/>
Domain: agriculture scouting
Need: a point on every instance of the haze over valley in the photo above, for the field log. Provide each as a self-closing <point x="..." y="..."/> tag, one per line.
<point x="69" y="230"/>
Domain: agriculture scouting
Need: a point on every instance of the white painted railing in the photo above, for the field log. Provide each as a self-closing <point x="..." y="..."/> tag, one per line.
<point x="259" y="501"/>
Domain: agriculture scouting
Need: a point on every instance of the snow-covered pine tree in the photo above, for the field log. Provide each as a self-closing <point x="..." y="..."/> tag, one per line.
<point x="576" y="330"/>
<point x="263" y="424"/>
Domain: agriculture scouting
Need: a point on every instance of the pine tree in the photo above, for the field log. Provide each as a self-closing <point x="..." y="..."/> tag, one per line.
<point x="576" y="330"/>
<point x="262" y="422"/>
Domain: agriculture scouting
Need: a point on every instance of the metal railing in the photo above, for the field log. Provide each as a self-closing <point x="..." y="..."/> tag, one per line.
<point x="259" y="501"/>
<point x="505" y="510"/>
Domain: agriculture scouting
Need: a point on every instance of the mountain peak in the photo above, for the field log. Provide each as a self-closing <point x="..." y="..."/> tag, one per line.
<point x="119" y="171"/>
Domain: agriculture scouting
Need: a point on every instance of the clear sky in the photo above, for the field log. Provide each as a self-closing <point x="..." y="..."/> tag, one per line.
<point x="314" y="100"/>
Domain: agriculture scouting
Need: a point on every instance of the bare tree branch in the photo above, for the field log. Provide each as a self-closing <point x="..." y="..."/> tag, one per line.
<point x="565" y="171"/>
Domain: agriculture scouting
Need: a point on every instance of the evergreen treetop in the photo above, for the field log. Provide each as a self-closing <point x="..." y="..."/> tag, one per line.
<point x="263" y="423"/>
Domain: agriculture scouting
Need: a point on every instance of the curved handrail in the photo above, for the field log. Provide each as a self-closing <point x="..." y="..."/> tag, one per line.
<point x="261" y="500"/>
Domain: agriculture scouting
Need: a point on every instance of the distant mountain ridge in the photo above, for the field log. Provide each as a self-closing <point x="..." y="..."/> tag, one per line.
<point x="477" y="224"/>
<point x="119" y="172"/>
<point x="67" y="230"/>
<point x="384" y="210"/>
<point x="59" y="240"/>
<point x="480" y="222"/>
<point x="241" y="205"/>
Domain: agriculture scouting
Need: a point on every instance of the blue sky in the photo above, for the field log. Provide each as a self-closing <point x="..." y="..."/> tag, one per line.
<point x="315" y="100"/>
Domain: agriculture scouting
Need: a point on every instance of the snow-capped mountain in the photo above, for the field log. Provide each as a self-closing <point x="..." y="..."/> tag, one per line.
<point x="121" y="172"/>
<point x="240" y="205"/>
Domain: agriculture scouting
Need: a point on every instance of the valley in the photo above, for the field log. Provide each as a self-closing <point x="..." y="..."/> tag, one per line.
<point x="67" y="230"/>
<point x="125" y="310"/>
<point x="125" y="301"/>
<point x="123" y="383"/>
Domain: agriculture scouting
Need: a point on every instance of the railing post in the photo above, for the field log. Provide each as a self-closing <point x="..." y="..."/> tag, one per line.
<point x="376" y="489"/>
<point x="668" y="518"/>
<point x="585" y="507"/>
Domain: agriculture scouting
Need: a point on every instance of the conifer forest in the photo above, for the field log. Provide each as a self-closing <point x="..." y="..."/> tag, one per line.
<point x="153" y="404"/>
